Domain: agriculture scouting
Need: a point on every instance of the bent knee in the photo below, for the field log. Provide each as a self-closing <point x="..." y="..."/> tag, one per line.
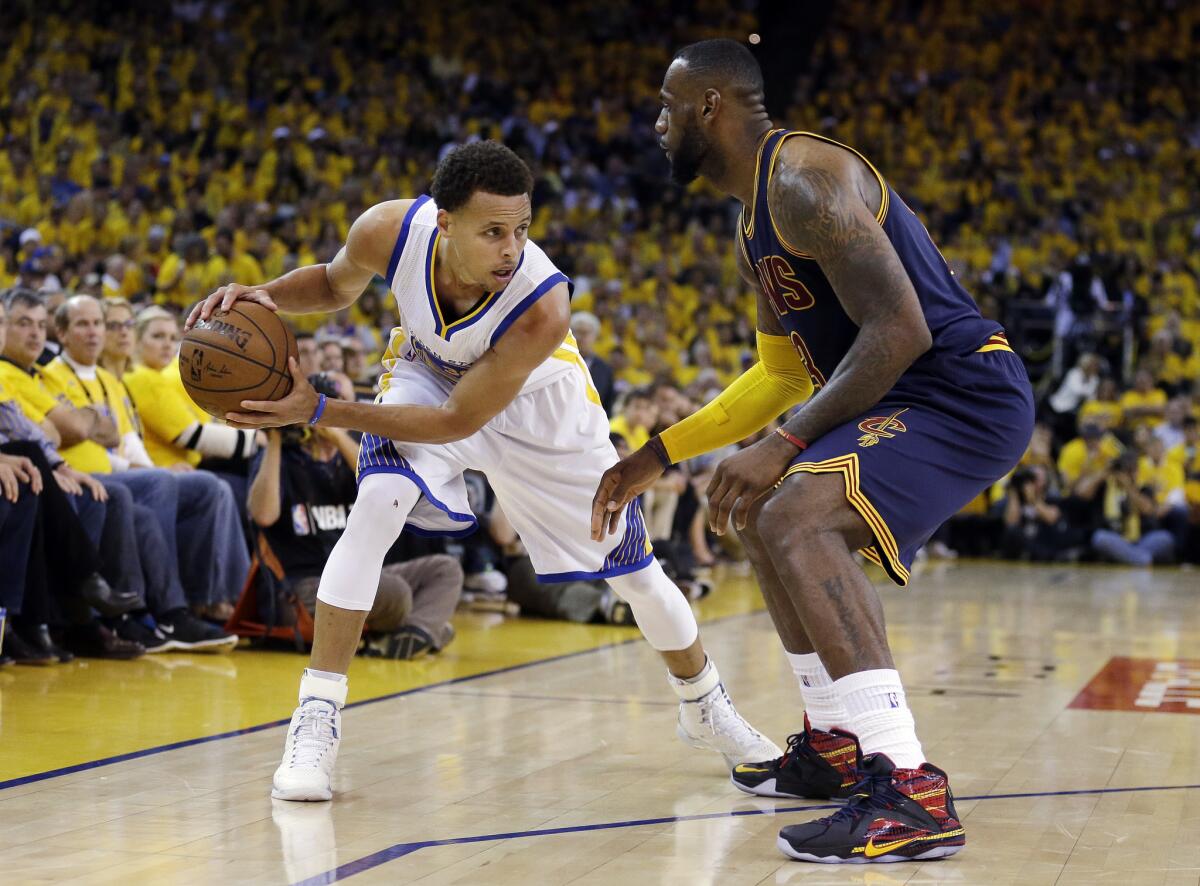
<point x="810" y="506"/>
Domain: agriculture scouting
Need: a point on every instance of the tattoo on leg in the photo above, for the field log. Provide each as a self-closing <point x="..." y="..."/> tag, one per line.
<point x="835" y="590"/>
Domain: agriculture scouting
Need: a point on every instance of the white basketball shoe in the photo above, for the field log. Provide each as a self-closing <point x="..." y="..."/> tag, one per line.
<point x="708" y="720"/>
<point x="306" y="772"/>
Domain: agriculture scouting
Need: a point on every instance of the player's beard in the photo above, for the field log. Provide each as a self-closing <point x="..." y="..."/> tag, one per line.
<point x="687" y="159"/>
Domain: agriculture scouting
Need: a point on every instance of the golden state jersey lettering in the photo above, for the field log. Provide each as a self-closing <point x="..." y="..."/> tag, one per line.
<point x="447" y="369"/>
<point x="449" y="348"/>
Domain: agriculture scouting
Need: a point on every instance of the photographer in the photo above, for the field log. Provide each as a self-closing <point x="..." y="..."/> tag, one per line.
<point x="301" y="490"/>
<point x="1128" y="511"/>
<point x="1034" y="525"/>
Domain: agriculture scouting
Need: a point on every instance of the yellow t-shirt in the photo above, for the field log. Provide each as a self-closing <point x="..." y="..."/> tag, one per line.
<point x="1134" y="400"/>
<point x="30" y="391"/>
<point x="1104" y="413"/>
<point x="1191" y="470"/>
<point x="1166" y="478"/>
<point x="103" y="390"/>
<point x="1074" y="459"/>
<point x="165" y="411"/>
<point x="635" y="437"/>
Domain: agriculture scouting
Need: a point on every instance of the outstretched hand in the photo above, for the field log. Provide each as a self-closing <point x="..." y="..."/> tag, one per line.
<point x="620" y="484"/>
<point x="294" y="409"/>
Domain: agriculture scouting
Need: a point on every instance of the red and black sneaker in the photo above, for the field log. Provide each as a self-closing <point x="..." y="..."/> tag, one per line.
<point x="895" y="815"/>
<point x="818" y="765"/>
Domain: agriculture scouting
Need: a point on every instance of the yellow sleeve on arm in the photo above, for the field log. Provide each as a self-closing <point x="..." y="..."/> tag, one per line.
<point x="776" y="383"/>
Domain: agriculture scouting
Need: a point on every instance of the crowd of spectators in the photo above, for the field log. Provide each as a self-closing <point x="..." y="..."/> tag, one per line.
<point x="1052" y="150"/>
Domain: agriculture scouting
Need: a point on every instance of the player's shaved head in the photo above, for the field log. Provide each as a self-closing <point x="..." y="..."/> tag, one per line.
<point x="712" y="103"/>
<point x="725" y="65"/>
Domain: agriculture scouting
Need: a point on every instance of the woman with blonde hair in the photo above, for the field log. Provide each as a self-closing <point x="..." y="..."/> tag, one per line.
<point x="178" y="435"/>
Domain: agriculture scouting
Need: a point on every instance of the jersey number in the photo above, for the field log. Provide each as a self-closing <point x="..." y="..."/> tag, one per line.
<point x="814" y="373"/>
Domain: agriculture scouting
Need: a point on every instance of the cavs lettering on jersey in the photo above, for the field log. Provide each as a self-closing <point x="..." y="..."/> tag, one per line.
<point x="449" y="348"/>
<point x="806" y="304"/>
<point x="956" y="421"/>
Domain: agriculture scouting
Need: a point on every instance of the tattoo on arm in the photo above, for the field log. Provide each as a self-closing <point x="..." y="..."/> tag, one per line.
<point x="820" y="211"/>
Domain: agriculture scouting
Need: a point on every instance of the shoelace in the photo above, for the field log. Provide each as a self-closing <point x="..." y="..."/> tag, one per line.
<point x="720" y="716"/>
<point x="313" y="734"/>
<point x="794" y="742"/>
<point x="870" y="794"/>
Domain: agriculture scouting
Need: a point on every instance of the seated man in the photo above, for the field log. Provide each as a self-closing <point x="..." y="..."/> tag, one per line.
<point x="301" y="489"/>
<point x="35" y="586"/>
<point x="85" y="406"/>
<point x="206" y="555"/>
<point x="1128" y="534"/>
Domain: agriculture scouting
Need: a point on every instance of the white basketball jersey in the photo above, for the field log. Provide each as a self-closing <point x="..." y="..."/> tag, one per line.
<point x="448" y="350"/>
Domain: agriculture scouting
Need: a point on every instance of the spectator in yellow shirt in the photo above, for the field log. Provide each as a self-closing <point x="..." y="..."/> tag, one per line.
<point x="187" y="527"/>
<point x="184" y="277"/>
<point x="176" y="430"/>
<point x="1104" y="409"/>
<point x="1083" y="462"/>
<point x="1145" y="405"/>
<point x="66" y="425"/>
<point x="1187" y="456"/>
<point x="638" y="414"/>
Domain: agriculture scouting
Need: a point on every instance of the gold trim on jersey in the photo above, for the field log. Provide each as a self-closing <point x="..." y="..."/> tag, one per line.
<point x="444" y="328"/>
<point x="569" y="353"/>
<point x="884" y="200"/>
<point x="741" y="240"/>
<point x="847" y="466"/>
<point x="997" y="342"/>
<point x="748" y="229"/>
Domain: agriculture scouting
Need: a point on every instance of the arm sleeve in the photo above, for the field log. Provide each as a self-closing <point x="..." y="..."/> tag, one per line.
<point x="218" y="441"/>
<point x="776" y="383"/>
<point x="134" y="451"/>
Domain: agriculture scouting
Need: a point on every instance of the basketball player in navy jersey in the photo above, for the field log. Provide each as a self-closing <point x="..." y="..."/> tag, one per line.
<point x="916" y="405"/>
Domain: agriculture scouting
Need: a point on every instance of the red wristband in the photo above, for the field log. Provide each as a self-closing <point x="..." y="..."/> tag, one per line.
<point x="792" y="438"/>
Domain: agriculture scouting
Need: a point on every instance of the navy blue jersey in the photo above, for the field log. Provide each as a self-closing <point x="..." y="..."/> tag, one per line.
<point x="806" y="304"/>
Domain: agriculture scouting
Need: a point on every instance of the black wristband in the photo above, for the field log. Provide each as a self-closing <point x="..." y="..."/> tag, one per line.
<point x="656" y="446"/>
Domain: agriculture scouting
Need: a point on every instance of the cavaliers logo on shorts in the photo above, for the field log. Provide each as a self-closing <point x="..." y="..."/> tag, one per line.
<point x="876" y="429"/>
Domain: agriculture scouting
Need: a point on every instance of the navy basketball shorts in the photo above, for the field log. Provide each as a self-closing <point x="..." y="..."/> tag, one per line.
<point x="943" y="435"/>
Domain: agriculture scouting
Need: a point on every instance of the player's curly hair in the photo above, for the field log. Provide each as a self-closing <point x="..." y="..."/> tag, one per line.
<point x="480" y="166"/>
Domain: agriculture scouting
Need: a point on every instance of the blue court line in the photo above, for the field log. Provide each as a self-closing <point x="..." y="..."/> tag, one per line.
<point x="233" y="733"/>
<point x="399" y="850"/>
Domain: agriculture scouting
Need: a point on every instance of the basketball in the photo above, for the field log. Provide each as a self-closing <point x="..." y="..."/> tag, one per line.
<point x="236" y="355"/>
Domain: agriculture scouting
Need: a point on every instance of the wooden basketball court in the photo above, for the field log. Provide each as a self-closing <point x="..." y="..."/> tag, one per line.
<point x="1064" y="702"/>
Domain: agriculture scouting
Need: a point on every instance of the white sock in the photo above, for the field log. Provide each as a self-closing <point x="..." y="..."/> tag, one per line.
<point x="324" y="685"/>
<point x="879" y="716"/>
<point x="696" y="687"/>
<point x="821" y="701"/>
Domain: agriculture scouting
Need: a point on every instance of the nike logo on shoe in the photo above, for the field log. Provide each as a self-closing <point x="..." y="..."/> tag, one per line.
<point x="167" y="629"/>
<point x="874" y="850"/>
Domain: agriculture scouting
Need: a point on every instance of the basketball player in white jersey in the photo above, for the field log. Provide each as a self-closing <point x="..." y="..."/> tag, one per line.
<point x="483" y="373"/>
